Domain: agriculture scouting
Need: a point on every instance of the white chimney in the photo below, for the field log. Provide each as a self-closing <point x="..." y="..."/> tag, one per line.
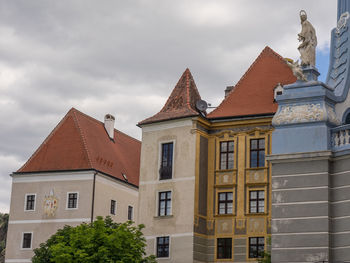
<point x="109" y="125"/>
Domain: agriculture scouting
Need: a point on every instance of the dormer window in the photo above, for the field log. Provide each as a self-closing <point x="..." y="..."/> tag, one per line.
<point x="278" y="90"/>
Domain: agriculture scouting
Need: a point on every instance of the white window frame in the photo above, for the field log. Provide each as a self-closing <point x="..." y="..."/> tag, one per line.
<point x="31" y="241"/>
<point x="75" y="208"/>
<point x="160" y="160"/>
<point x="156" y="248"/>
<point x="115" y="207"/>
<point x="25" y="202"/>
<point x="157" y="202"/>
<point x="132" y="213"/>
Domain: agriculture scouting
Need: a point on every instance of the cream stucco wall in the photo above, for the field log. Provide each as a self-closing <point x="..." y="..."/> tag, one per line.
<point x="107" y="189"/>
<point x="179" y="225"/>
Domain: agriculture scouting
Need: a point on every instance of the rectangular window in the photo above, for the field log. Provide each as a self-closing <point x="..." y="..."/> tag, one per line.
<point x="72" y="200"/>
<point x="130" y="212"/>
<point x="257" y="153"/>
<point x="257" y="201"/>
<point x="225" y="203"/>
<point x="226" y="155"/>
<point x="166" y="165"/>
<point x="30" y="202"/>
<point x="224" y="248"/>
<point x="256" y="247"/>
<point x="162" y="247"/>
<point x="27" y="240"/>
<point x="164" y="203"/>
<point x="113" y="207"/>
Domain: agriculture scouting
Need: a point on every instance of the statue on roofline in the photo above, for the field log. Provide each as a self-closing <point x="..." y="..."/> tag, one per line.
<point x="308" y="40"/>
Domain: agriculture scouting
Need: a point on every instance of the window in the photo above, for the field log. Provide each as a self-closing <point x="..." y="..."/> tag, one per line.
<point x="225" y="203"/>
<point x="257" y="201"/>
<point x="30" y="202"/>
<point x="72" y="202"/>
<point x="256" y="247"/>
<point x="257" y="153"/>
<point x="130" y="212"/>
<point x="164" y="203"/>
<point x="226" y="155"/>
<point x="162" y="247"/>
<point x="224" y="248"/>
<point x="166" y="165"/>
<point x="113" y="206"/>
<point x="27" y="241"/>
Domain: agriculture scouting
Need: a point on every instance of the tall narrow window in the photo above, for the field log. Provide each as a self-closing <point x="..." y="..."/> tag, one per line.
<point x="113" y="207"/>
<point x="166" y="165"/>
<point x="27" y="240"/>
<point x="30" y="202"/>
<point x="257" y="201"/>
<point x="130" y="212"/>
<point x="162" y="247"/>
<point x="226" y="155"/>
<point x="225" y="203"/>
<point x="72" y="200"/>
<point x="224" y="248"/>
<point x="164" y="203"/>
<point x="257" y="153"/>
<point x="256" y="247"/>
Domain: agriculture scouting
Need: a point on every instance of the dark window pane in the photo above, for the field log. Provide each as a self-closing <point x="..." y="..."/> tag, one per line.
<point x="226" y="155"/>
<point x="167" y="161"/>
<point x="27" y="240"/>
<point x="113" y="206"/>
<point x="225" y="203"/>
<point x="253" y="144"/>
<point x="72" y="200"/>
<point x="224" y="248"/>
<point x="230" y="146"/>
<point x="261" y="143"/>
<point x="256" y="247"/>
<point x="130" y="212"/>
<point x="162" y="247"/>
<point x="253" y="159"/>
<point x="261" y="158"/>
<point x="164" y="203"/>
<point x="30" y="202"/>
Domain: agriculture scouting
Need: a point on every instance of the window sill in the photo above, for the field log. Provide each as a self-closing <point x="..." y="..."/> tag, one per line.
<point x="256" y="214"/>
<point x="225" y="215"/>
<point x="164" y="217"/>
<point x="226" y="170"/>
<point x="257" y="168"/>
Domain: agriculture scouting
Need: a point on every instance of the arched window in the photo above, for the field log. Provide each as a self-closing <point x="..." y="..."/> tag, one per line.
<point x="346" y="117"/>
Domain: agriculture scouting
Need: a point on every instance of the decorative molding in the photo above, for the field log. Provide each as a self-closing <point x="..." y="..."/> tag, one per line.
<point x="64" y="220"/>
<point x="291" y="114"/>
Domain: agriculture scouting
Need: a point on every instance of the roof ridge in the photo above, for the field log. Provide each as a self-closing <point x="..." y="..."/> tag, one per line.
<point x="188" y="88"/>
<point x="46" y="139"/>
<point x="265" y="50"/>
<point x="82" y="136"/>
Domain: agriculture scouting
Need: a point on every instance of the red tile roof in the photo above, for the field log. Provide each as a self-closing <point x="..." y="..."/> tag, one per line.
<point x="181" y="103"/>
<point x="81" y="142"/>
<point x="254" y="93"/>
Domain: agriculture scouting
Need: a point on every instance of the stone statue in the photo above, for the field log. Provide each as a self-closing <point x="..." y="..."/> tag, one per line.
<point x="308" y="40"/>
<point x="296" y="69"/>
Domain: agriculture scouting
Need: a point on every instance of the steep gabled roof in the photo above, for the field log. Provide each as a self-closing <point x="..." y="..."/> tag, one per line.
<point x="81" y="142"/>
<point x="254" y="92"/>
<point x="181" y="103"/>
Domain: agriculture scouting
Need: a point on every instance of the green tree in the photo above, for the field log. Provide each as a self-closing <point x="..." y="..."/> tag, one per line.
<point x="266" y="255"/>
<point x="4" y="220"/>
<point x="100" y="241"/>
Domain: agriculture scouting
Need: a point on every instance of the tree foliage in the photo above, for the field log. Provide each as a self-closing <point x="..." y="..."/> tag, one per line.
<point x="4" y="220"/>
<point x="266" y="255"/>
<point x="100" y="241"/>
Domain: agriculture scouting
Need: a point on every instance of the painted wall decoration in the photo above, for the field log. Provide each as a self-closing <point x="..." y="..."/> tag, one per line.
<point x="50" y="204"/>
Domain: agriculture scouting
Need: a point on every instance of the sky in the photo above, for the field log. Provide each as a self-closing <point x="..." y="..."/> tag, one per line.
<point x="125" y="57"/>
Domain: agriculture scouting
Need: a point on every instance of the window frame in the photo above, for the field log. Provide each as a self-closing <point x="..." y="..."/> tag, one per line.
<point x="25" y="202"/>
<point x="257" y="150"/>
<point x="227" y="152"/>
<point x="257" y="247"/>
<point x="166" y="199"/>
<point x="156" y="247"/>
<point x="226" y="202"/>
<point x="225" y="246"/>
<point x="160" y="159"/>
<point x="31" y="241"/>
<point x="67" y="201"/>
<point x="256" y="201"/>
<point x="131" y="218"/>
<point x="114" y="205"/>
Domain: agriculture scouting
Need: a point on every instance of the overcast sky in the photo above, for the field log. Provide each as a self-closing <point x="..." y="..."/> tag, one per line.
<point x="125" y="57"/>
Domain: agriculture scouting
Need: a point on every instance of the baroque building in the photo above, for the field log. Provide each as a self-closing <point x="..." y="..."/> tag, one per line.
<point x="83" y="169"/>
<point x="205" y="186"/>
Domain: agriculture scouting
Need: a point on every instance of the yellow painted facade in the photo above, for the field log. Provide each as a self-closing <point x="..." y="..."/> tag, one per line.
<point x="241" y="224"/>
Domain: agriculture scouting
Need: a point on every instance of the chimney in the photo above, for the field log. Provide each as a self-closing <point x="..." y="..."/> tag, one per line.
<point x="109" y="125"/>
<point x="228" y="89"/>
